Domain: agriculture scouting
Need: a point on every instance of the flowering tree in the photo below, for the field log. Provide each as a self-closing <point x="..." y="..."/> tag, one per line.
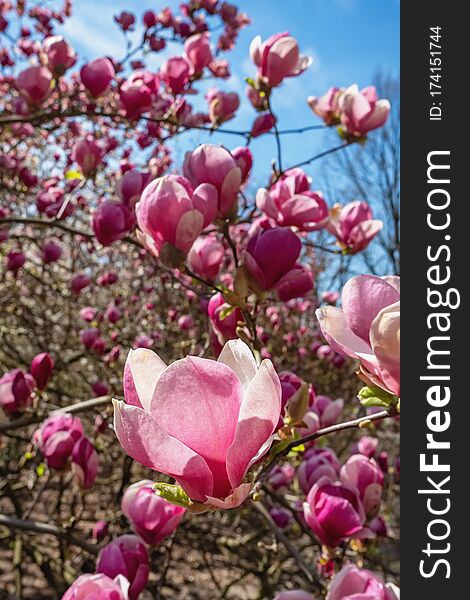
<point x="183" y="300"/>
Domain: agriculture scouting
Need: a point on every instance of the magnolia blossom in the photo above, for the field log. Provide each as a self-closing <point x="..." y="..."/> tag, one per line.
<point x="85" y="463"/>
<point x="152" y="517"/>
<point x="278" y="57"/>
<point x="271" y="260"/>
<point x="34" y="84"/>
<point x="328" y="410"/>
<point x="16" y="390"/>
<point x="262" y="124"/>
<point x="215" y="165"/>
<point x="317" y="463"/>
<point x="176" y="73"/>
<point x="223" y="325"/>
<point x="97" y="75"/>
<point x="200" y="421"/>
<point x="327" y="106"/>
<point x="59" y="54"/>
<point x="362" y="111"/>
<point x="198" y="51"/>
<point x="368" y="328"/>
<point x="244" y="160"/>
<point x="136" y="93"/>
<point x="171" y="214"/>
<point x="99" y="586"/>
<point x="88" y="155"/>
<point x="334" y="512"/>
<point x="364" y="474"/>
<point x="206" y="257"/>
<point x="112" y="221"/>
<point x="126" y="556"/>
<point x="56" y="438"/>
<point x="353" y="225"/>
<point x="222" y="105"/>
<point x="41" y="369"/>
<point x="290" y="203"/>
<point x="352" y="583"/>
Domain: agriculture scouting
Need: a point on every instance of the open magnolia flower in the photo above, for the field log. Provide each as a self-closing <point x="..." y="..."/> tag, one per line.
<point x="368" y="328"/>
<point x="200" y="421"/>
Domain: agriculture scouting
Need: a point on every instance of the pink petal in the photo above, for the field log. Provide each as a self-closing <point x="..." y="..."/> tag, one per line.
<point x="205" y="199"/>
<point x="363" y="297"/>
<point x="198" y="401"/>
<point x="146" y="442"/>
<point x="142" y="369"/>
<point x="336" y="331"/>
<point x="230" y="189"/>
<point x="236" y="498"/>
<point x="239" y="358"/>
<point x="259" y="415"/>
<point x="385" y="340"/>
<point x="188" y="228"/>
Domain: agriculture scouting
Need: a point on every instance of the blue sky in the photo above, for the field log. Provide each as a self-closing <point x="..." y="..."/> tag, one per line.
<point x="348" y="39"/>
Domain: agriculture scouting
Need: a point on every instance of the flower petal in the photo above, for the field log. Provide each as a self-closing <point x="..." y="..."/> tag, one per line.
<point x="336" y="331"/>
<point x="363" y="298"/>
<point x="259" y="415"/>
<point x="146" y="442"/>
<point x="142" y="369"/>
<point x="236" y="498"/>
<point x="238" y="357"/>
<point x="198" y="401"/>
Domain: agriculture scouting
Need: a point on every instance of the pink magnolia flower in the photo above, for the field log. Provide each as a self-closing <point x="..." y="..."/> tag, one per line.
<point x="100" y="388"/>
<point x="364" y="474"/>
<point x="270" y="258"/>
<point x="34" y="84"/>
<point x="59" y="54"/>
<point x="176" y="73"/>
<point x="56" y="438"/>
<point x="15" y="259"/>
<point x="293" y="595"/>
<point x="327" y="409"/>
<point x="290" y="203"/>
<point x="368" y="328"/>
<point x="127" y="556"/>
<point x="98" y="586"/>
<point x="171" y="214"/>
<point x="222" y="105"/>
<point x="352" y="583"/>
<point x="368" y="445"/>
<point x="317" y="463"/>
<point x="353" y="225"/>
<point x="79" y="282"/>
<point x="262" y="124"/>
<point x="281" y="476"/>
<point x="278" y="57"/>
<point x="85" y="463"/>
<point x="97" y="75"/>
<point x="335" y="513"/>
<point x="244" y="160"/>
<point x="206" y="257"/>
<point x="16" y="390"/>
<point x="215" y="165"/>
<point x="327" y="106"/>
<point x="200" y="421"/>
<point x="362" y="111"/>
<point x="125" y="20"/>
<point x="88" y="155"/>
<point x="137" y="92"/>
<point x="330" y="297"/>
<point x="152" y="517"/>
<point x="131" y="185"/>
<point x="112" y="221"/>
<point x="198" y="51"/>
<point x="51" y="252"/>
<point x="224" y="328"/>
<point x="41" y="369"/>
